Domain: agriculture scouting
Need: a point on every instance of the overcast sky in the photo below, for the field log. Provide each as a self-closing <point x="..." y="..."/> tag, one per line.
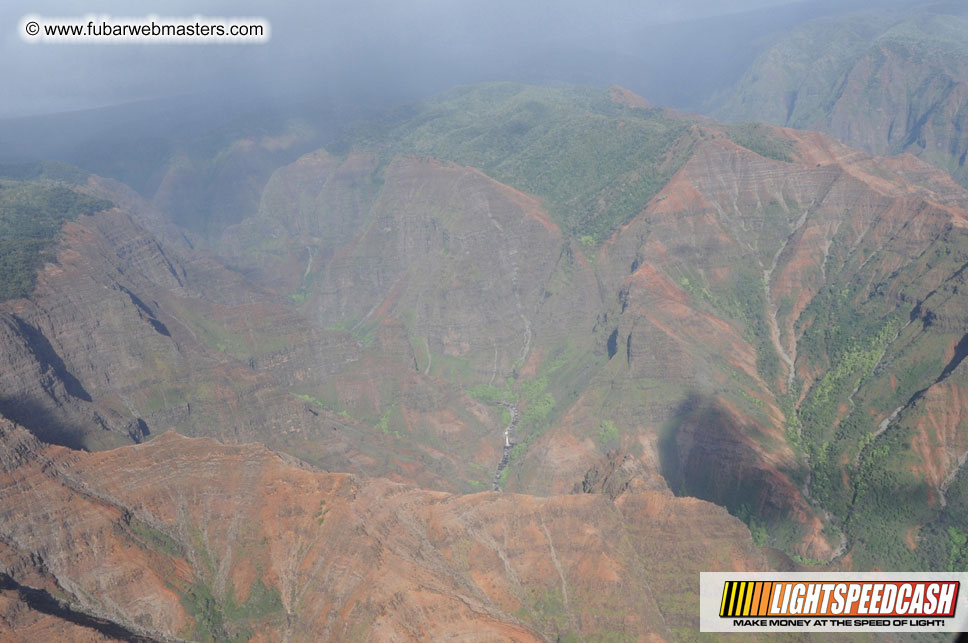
<point x="313" y="41"/>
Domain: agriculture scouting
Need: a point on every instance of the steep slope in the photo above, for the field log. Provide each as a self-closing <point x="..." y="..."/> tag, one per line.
<point x="846" y="270"/>
<point x="124" y="335"/>
<point x="203" y="158"/>
<point x="187" y="537"/>
<point x="103" y="330"/>
<point x="884" y="82"/>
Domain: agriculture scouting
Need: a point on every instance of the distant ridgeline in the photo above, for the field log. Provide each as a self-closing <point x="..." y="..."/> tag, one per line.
<point x="594" y="160"/>
<point x="885" y="82"/>
<point x="35" y="201"/>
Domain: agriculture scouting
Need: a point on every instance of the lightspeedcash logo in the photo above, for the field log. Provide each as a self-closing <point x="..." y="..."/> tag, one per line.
<point x="831" y="602"/>
<point x="819" y="599"/>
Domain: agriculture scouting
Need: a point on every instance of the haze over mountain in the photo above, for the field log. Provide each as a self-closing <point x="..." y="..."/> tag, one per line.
<point x="407" y="47"/>
<point x="883" y="81"/>
<point x="363" y="56"/>
<point x="506" y="362"/>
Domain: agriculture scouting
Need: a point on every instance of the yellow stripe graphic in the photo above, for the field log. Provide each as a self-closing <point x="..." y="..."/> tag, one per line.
<point x="747" y="598"/>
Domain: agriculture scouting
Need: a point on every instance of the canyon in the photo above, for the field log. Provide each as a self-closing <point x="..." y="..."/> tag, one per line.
<point x="517" y="362"/>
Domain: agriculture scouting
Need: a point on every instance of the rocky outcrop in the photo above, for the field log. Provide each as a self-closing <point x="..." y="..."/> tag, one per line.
<point x="614" y="475"/>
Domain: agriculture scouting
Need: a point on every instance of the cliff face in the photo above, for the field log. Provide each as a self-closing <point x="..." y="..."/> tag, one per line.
<point x="119" y="336"/>
<point x="188" y="537"/>
<point x="129" y="333"/>
<point x="457" y="256"/>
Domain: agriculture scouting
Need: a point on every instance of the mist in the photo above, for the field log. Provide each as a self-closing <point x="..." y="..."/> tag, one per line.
<point x="333" y="62"/>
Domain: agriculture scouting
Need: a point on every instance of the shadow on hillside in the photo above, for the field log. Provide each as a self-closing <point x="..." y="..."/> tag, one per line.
<point x="706" y="453"/>
<point x="42" y="601"/>
<point x="49" y="359"/>
<point x="670" y="462"/>
<point x="42" y="422"/>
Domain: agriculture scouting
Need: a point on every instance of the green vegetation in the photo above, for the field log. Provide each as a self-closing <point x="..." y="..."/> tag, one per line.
<point x="384" y="423"/>
<point x="938" y="35"/>
<point x="155" y="540"/>
<point x="31" y="215"/>
<point x="300" y="296"/>
<point x="503" y="479"/>
<point x="871" y="339"/>
<point x="255" y="340"/>
<point x="595" y="162"/>
<point x="320" y="514"/>
<point x="538" y="404"/>
<point x="742" y="300"/>
<point x="261" y="602"/>
<point x="321" y="403"/>
<point x="546" y="609"/>
<point x="760" y="139"/>
<point x="945" y="539"/>
<point x="888" y="500"/>
<point x="451" y="367"/>
<point x="608" y="435"/>
<point x="490" y="394"/>
<point x="542" y="399"/>
<point x="365" y="332"/>
<point x="958" y="553"/>
<point x="901" y="66"/>
<point x="223" y="617"/>
<point x="226" y="619"/>
<point x="855" y="361"/>
<point x="199" y="601"/>
<point x="200" y="547"/>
